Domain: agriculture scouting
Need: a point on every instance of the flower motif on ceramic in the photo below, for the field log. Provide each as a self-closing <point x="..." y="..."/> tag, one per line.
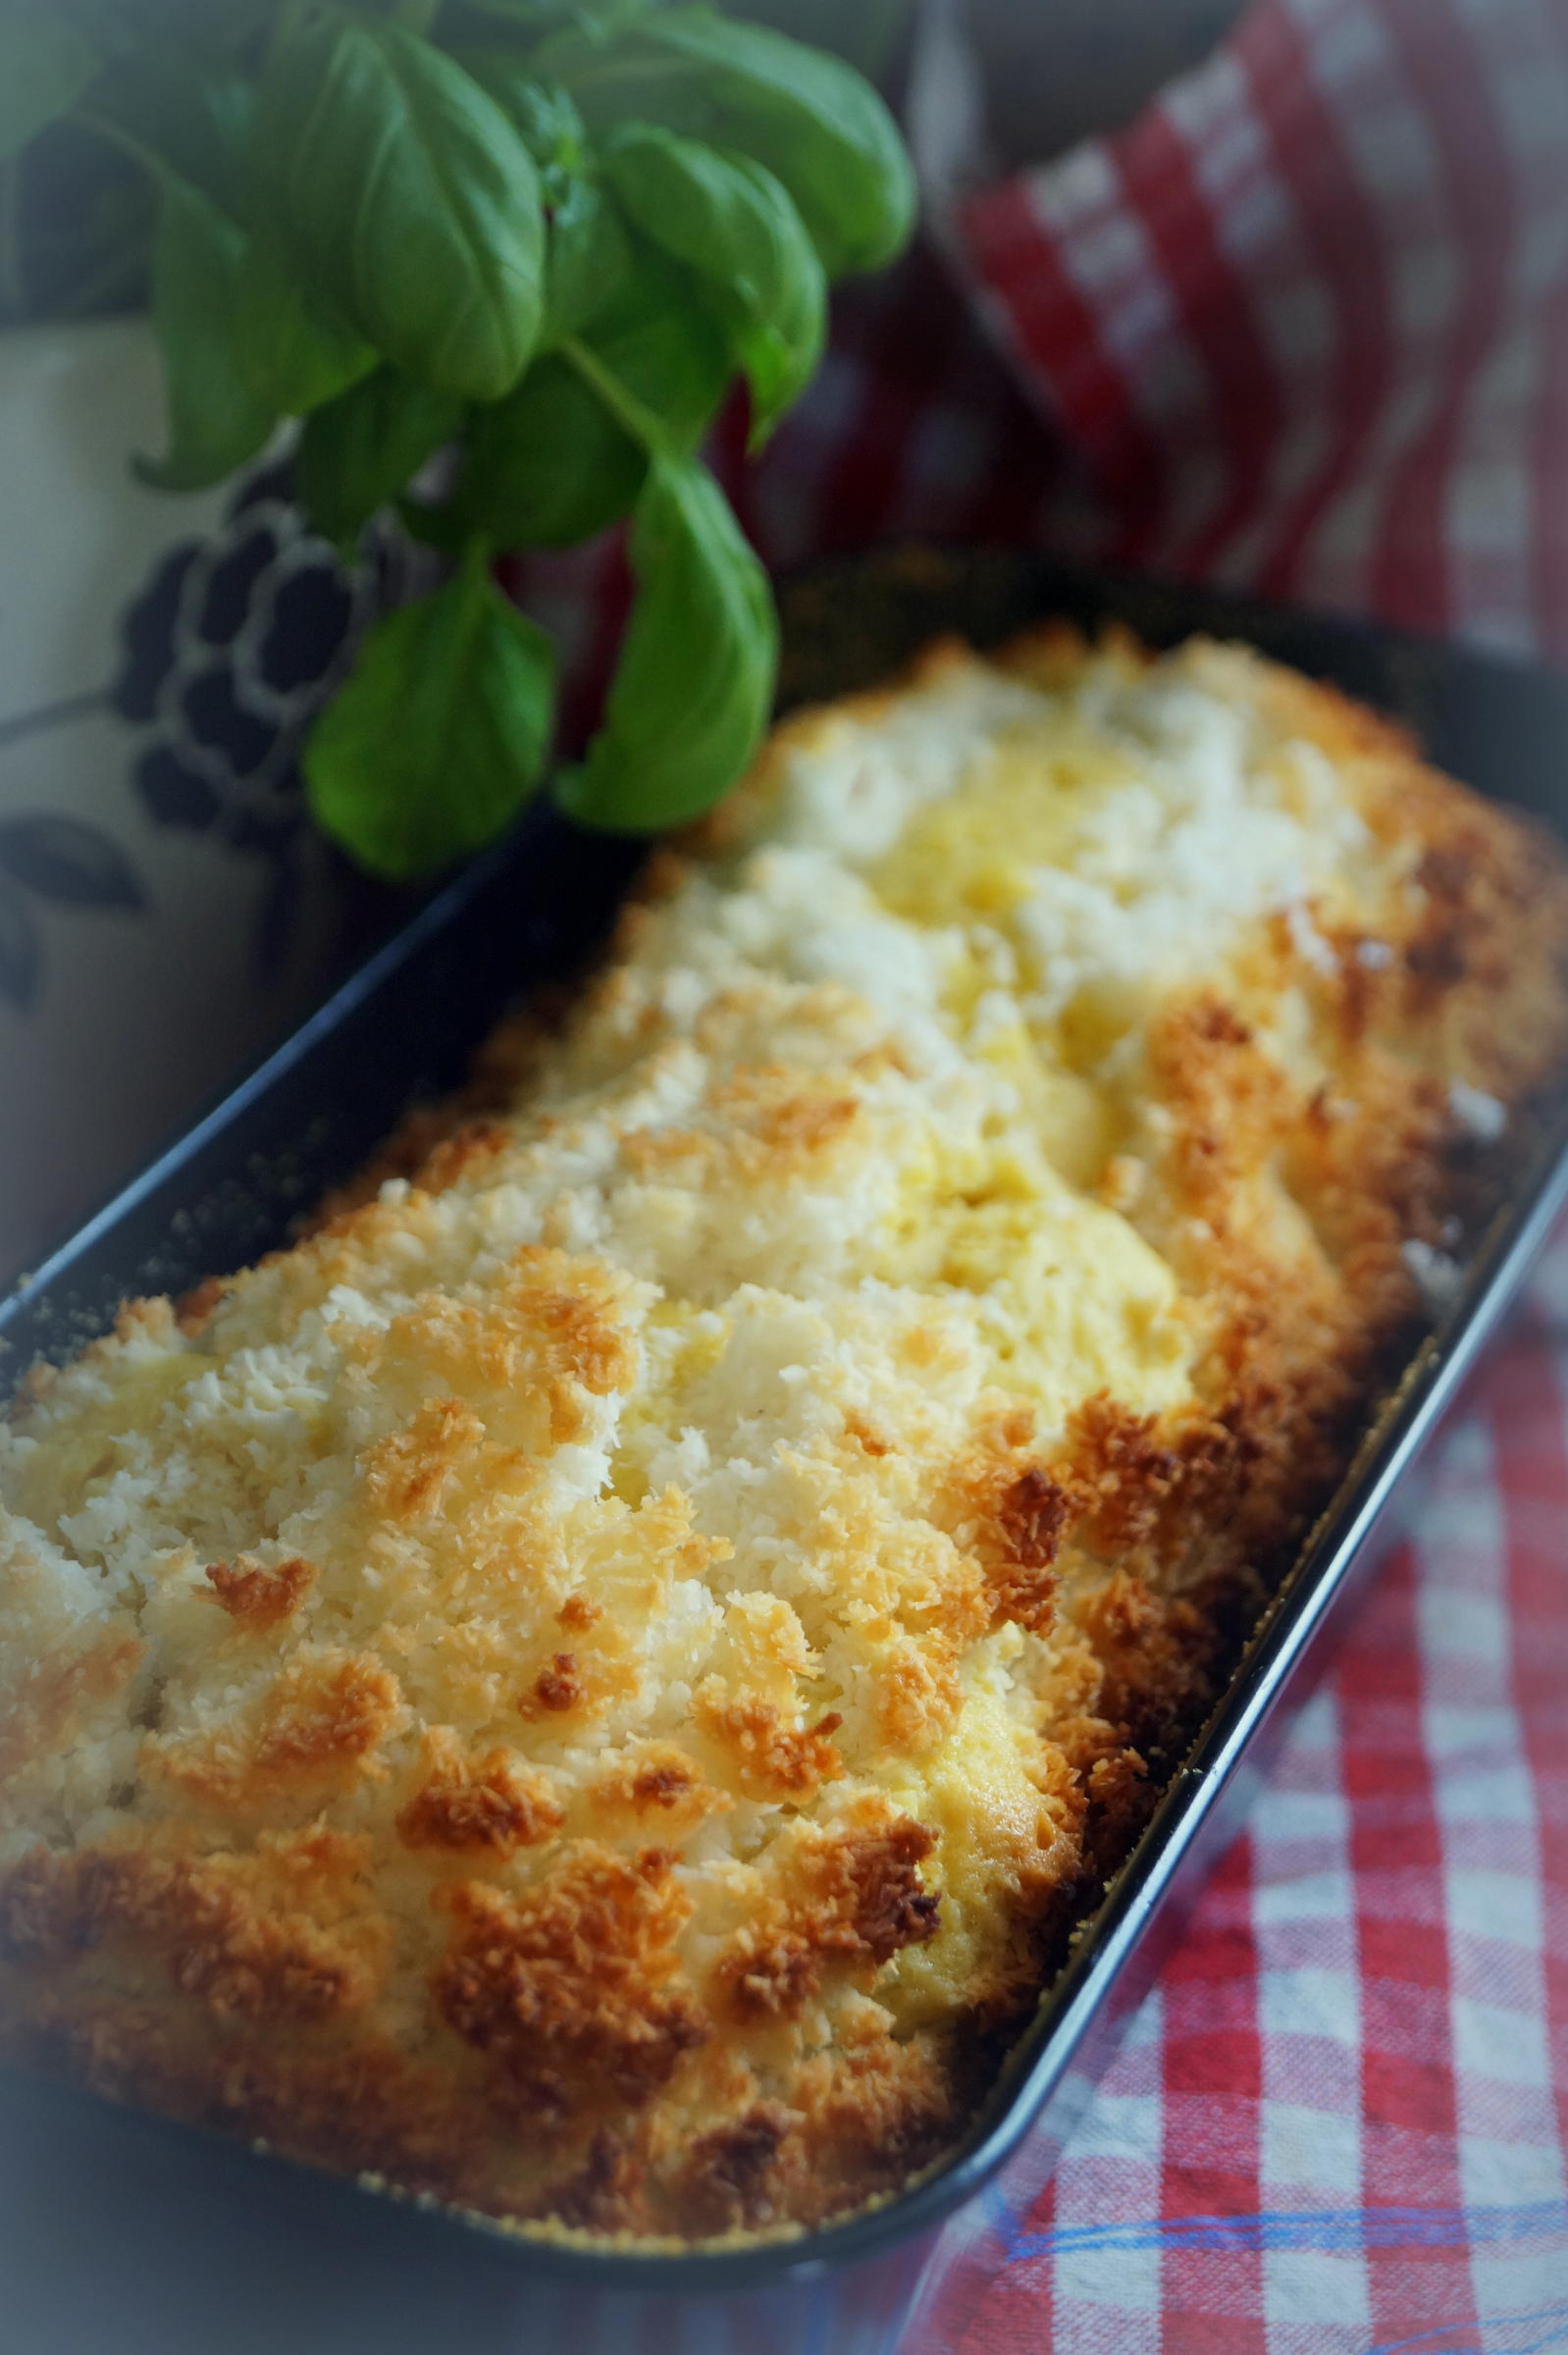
<point x="228" y="653"/>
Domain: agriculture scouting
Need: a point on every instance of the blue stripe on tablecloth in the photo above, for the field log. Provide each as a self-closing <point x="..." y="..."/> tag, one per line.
<point x="1523" y="2335"/>
<point x="1328" y="2228"/>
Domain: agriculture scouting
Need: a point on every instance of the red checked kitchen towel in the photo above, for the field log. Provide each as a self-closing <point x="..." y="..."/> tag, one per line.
<point x="1302" y="327"/>
<point x="1306" y="322"/>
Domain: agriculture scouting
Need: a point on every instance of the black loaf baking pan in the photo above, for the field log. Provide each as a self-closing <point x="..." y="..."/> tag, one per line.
<point x="126" y="2231"/>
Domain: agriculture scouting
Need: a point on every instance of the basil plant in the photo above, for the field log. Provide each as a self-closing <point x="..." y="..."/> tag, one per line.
<point x="542" y="238"/>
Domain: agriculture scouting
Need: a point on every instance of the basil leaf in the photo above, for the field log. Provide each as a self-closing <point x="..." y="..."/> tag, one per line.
<point x="663" y="349"/>
<point x="406" y="200"/>
<point x="809" y="118"/>
<point x="217" y="420"/>
<point x="731" y="220"/>
<point x="44" y="68"/>
<point x="296" y="354"/>
<point x="586" y="248"/>
<point x="589" y="257"/>
<point x="694" y="686"/>
<point x="357" y="451"/>
<point x="548" y="465"/>
<point x="435" y="741"/>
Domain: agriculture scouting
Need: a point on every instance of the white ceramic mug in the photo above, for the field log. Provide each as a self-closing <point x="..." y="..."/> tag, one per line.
<point x="163" y="908"/>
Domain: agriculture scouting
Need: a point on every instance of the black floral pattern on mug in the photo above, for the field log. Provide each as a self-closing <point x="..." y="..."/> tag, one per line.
<point x="228" y="653"/>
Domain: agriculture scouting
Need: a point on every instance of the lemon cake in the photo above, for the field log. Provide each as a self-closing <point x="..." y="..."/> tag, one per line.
<point x="598" y="1682"/>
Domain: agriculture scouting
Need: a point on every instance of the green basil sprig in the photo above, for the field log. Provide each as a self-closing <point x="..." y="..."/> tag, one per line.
<point x="442" y="727"/>
<point x="406" y="199"/>
<point x="694" y="686"/>
<point x="729" y="219"/>
<point x="547" y="466"/>
<point x="292" y="349"/>
<point x="808" y="117"/>
<point x="357" y="451"/>
<point x="503" y="260"/>
<point x="588" y="257"/>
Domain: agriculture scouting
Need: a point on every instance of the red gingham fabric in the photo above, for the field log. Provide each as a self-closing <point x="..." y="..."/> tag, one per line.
<point x="1306" y="322"/>
<point x="1302" y="327"/>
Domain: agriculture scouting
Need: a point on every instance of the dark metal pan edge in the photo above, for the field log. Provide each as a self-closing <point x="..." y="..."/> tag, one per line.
<point x="995" y="593"/>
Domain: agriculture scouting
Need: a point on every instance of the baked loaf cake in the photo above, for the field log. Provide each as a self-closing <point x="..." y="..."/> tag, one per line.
<point x="597" y="1684"/>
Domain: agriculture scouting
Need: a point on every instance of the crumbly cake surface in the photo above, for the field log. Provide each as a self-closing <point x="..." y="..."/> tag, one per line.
<point x="596" y="1684"/>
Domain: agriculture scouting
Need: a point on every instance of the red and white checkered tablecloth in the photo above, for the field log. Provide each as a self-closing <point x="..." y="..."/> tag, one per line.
<point x="1302" y="327"/>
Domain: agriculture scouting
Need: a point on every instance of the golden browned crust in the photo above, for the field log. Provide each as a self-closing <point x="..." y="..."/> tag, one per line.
<point x="54" y="1691"/>
<point x="260" y="1594"/>
<point x="580" y="1983"/>
<point x="600" y="1682"/>
<point x="485" y="1806"/>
